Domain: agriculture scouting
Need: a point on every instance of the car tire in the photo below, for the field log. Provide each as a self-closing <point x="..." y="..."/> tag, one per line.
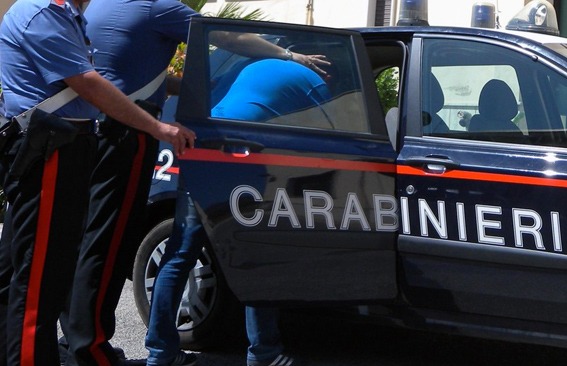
<point x="207" y="308"/>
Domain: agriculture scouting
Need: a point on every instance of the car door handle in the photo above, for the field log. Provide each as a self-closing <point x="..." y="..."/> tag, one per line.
<point x="433" y="164"/>
<point x="231" y="145"/>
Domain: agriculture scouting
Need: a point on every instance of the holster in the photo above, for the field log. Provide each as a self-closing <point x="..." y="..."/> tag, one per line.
<point x="8" y="133"/>
<point x="45" y="134"/>
<point x="115" y="130"/>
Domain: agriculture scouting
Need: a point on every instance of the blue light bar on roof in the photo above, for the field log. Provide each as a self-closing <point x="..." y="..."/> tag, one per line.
<point x="483" y="15"/>
<point x="413" y="13"/>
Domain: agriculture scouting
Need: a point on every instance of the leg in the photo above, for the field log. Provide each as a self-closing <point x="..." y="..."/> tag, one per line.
<point x="119" y="188"/>
<point x="181" y="254"/>
<point x="263" y="333"/>
<point x="6" y="271"/>
<point x="48" y="217"/>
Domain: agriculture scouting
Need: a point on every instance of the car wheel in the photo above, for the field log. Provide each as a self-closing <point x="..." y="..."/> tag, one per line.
<point x="207" y="306"/>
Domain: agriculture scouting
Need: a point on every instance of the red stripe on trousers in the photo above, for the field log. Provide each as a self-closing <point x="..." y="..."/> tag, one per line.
<point x="115" y="242"/>
<point x="48" y="184"/>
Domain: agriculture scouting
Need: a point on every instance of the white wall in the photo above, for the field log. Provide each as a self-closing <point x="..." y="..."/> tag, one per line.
<point x="360" y="13"/>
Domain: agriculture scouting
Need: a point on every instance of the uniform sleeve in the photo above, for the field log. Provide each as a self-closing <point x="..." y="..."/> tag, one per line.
<point x="56" y="46"/>
<point x="171" y="18"/>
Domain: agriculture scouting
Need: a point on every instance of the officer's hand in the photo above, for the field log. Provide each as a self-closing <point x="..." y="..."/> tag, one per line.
<point x="177" y="135"/>
<point x="312" y="61"/>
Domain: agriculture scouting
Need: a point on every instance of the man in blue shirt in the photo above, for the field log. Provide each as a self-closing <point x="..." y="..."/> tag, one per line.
<point x="264" y="89"/>
<point x="43" y="49"/>
<point x="270" y="88"/>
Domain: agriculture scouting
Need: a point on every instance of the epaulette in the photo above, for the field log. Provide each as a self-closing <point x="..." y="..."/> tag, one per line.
<point x="60" y="3"/>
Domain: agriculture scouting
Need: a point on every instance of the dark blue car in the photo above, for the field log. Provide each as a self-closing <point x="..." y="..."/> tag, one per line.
<point x="444" y="211"/>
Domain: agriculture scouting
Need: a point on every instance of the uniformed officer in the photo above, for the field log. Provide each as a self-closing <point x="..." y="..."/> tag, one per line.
<point x="130" y="56"/>
<point x="43" y="49"/>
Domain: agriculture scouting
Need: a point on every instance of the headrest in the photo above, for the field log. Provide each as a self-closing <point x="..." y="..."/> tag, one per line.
<point x="497" y="101"/>
<point x="436" y="97"/>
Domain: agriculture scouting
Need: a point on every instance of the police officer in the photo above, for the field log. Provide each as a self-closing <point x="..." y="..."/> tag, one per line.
<point x="43" y="49"/>
<point x="130" y="56"/>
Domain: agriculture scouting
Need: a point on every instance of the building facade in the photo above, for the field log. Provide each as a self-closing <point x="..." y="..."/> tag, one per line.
<point x="362" y="13"/>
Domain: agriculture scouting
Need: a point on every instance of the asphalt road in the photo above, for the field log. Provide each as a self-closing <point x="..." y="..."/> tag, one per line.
<point x="328" y="341"/>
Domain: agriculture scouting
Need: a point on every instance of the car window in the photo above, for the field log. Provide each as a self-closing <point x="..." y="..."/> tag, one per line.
<point x="278" y="92"/>
<point x="486" y="92"/>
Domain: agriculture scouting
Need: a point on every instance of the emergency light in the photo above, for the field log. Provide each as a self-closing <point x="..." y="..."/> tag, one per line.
<point x="413" y="13"/>
<point x="483" y="15"/>
<point x="538" y="16"/>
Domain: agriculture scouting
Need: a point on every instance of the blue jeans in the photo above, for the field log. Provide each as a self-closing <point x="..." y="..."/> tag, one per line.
<point x="181" y="254"/>
<point x="263" y="333"/>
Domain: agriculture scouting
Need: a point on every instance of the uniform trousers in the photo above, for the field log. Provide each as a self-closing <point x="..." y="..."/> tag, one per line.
<point x="6" y="271"/>
<point x="48" y="217"/>
<point x="119" y="189"/>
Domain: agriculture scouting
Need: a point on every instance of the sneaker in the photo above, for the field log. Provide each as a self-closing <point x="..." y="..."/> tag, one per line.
<point x="280" y="360"/>
<point x="184" y="359"/>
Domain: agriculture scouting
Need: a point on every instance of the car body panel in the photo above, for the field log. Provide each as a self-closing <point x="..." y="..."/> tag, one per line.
<point x="271" y="178"/>
<point x="166" y="174"/>
<point x="496" y="192"/>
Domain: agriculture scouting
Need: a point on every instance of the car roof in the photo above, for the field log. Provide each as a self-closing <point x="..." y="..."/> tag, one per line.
<point x="504" y="34"/>
<point x="528" y="40"/>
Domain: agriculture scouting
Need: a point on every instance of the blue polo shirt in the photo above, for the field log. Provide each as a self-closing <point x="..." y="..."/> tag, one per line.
<point x="135" y="41"/>
<point x="41" y="44"/>
<point x="269" y="88"/>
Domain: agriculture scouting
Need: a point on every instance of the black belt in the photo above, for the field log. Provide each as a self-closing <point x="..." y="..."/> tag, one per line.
<point x="85" y="126"/>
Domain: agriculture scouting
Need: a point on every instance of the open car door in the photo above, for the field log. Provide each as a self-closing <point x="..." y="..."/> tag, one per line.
<point x="298" y="205"/>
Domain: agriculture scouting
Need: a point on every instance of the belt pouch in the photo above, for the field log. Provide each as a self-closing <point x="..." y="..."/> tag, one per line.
<point x="45" y="134"/>
<point x="8" y="133"/>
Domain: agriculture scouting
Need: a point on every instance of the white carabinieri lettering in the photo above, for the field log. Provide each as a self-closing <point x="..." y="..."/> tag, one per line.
<point x="322" y="209"/>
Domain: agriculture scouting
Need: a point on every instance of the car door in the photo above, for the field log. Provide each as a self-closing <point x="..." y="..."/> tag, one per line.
<point x="482" y="181"/>
<point x="299" y="207"/>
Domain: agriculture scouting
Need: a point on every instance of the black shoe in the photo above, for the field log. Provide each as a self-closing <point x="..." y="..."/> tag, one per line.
<point x="119" y="353"/>
<point x="64" y="348"/>
<point x="280" y="360"/>
<point x="184" y="359"/>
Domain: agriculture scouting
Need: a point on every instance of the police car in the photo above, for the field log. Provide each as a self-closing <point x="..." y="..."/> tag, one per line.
<point x="445" y="212"/>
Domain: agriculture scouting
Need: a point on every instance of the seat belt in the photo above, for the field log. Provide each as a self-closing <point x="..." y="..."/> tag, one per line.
<point x="66" y="95"/>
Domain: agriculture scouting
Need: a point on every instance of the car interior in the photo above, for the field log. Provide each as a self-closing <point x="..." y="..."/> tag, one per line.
<point x="508" y="99"/>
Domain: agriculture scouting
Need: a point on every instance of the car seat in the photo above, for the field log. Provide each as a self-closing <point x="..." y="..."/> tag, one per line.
<point x="497" y="106"/>
<point x="434" y="100"/>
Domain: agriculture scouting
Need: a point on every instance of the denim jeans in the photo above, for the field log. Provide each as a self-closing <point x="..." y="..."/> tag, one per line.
<point x="263" y="333"/>
<point x="181" y="253"/>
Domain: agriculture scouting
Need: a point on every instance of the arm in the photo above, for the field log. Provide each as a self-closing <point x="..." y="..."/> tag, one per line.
<point x="250" y="45"/>
<point x="110" y="100"/>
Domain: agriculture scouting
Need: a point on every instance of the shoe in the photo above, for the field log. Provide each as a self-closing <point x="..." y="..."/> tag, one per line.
<point x="64" y="347"/>
<point x="280" y="360"/>
<point x="119" y="353"/>
<point x="184" y="359"/>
